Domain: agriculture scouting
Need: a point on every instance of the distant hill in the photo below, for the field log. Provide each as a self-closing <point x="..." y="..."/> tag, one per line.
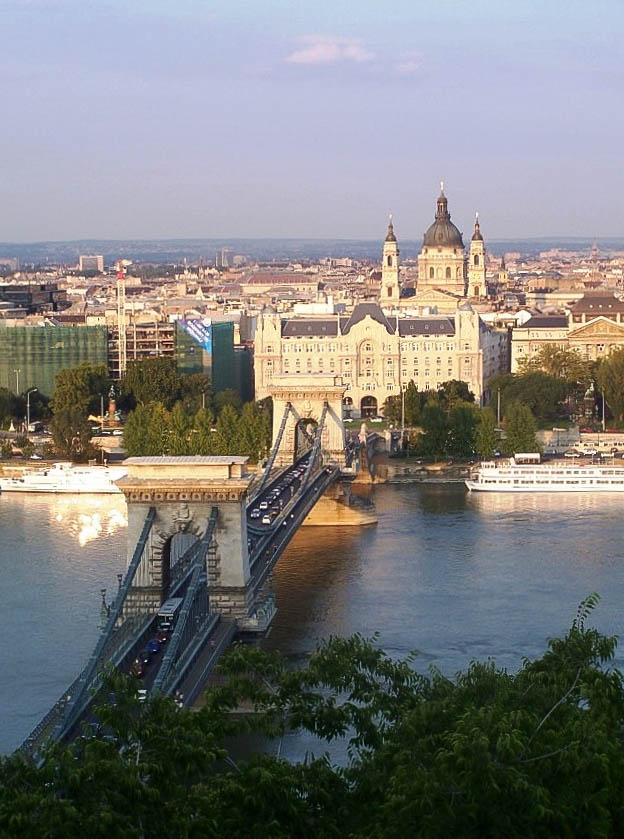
<point x="176" y="250"/>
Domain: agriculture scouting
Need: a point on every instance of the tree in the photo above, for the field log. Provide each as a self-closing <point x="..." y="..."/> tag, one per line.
<point x="201" y="433"/>
<point x="136" y="430"/>
<point x="520" y="429"/>
<point x="152" y="380"/>
<point x="71" y="433"/>
<point x="462" y="423"/>
<point x="11" y="406"/>
<point x="488" y="753"/>
<point x="227" y="435"/>
<point x="80" y="388"/>
<point x="455" y="391"/>
<point x="561" y="364"/>
<point x="435" y="430"/>
<point x="179" y="431"/>
<point x="486" y="441"/>
<point x="227" y="397"/>
<point x="254" y="432"/>
<point x="158" y="430"/>
<point x="542" y="393"/>
<point x="195" y="392"/>
<point x="610" y="376"/>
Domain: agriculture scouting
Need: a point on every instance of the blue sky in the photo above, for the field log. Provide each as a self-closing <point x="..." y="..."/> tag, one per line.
<point x="175" y="118"/>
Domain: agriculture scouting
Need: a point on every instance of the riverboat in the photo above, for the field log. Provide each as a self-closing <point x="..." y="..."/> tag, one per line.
<point x="511" y="476"/>
<point x="68" y="479"/>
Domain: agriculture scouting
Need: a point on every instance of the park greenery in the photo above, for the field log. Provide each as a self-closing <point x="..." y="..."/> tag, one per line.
<point x="487" y="753"/>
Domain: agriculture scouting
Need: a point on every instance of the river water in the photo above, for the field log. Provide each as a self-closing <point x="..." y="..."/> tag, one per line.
<point x="454" y="575"/>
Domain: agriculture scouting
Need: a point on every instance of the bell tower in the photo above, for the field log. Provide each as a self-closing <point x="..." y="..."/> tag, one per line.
<point x="390" y="287"/>
<point x="477" y="287"/>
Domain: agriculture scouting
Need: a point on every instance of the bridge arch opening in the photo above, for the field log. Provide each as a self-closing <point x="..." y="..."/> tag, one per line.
<point x="347" y="407"/>
<point x="304" y="436"/>
<point x="368" y="406"/>
<point x="173" y="551"/>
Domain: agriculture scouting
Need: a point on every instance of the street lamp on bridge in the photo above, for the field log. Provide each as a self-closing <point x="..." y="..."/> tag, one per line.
<point x="32" y="390"/>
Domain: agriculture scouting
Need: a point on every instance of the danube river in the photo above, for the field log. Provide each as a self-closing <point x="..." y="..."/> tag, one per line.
<point x="454" y="575"/>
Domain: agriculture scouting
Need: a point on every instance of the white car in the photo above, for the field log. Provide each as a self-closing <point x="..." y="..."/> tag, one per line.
<point x="255" y="513"/>
<point x="264" y="505"/>
<point x="571" y="453"/>
<point x="266" y="519"/>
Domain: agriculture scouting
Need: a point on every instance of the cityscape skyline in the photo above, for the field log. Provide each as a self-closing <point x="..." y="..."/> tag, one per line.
<point x="161" y="120"/>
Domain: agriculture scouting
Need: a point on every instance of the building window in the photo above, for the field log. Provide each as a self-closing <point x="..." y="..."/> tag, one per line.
<point x="368" y="347"/>
<point x="390" y="261"/>
<point x="431" y="273"/>
<point x="448" y="273"/>
<point x="389" y="362"/>
<point x="476" y="259"/>
<point x="269" y="349"/>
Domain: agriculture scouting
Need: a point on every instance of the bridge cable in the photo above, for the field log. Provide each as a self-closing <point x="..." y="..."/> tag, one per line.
<point x="315" y="448"/>
<point x="115" y="612"/>
<point x="274" y="450"/>
<point x="174" y="642"/>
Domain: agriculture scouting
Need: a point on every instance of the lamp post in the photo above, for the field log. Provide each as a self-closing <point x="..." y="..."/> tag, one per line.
<point x="32" y="390"/>
<point x="17" y="372"/>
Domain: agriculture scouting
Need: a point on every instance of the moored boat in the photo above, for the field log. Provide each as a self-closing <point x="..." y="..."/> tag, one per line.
<point x="67" y="478"/>
<point x="555" y="476"/>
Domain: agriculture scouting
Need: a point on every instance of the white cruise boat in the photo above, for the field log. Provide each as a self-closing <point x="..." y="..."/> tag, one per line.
<point x="67" y="478"/>
<point x="510" y="476"/>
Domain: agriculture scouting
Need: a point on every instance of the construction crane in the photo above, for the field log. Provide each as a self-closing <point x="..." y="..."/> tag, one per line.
<point x="121" y="267"/>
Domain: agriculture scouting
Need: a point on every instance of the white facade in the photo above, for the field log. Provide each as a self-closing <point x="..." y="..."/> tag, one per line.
<point x="377" y="355"/>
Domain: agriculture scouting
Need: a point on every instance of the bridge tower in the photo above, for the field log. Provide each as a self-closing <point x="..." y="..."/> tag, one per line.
<point x="306" y="394"/>
<point x="183" y="491"/>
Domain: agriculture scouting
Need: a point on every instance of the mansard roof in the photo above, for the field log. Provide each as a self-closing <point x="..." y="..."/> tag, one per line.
<point x="371" y="310"/>
<point x="300" y="327"/>
<point x="597" y="301"/>
<point x="545" y="322"/>
<point x="426" y="326"/>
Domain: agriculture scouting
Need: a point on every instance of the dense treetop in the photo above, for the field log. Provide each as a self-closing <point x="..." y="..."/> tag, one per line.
<point x="537" y="753"/>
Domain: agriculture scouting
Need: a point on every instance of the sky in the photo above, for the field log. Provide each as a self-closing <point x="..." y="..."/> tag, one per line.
<point x="309" y="118"/>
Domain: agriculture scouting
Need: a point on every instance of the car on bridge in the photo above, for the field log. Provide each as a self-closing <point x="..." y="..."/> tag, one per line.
<point x="263" y="505"/>
<point x="255" y="513"/>
<point x="266" y="519"/>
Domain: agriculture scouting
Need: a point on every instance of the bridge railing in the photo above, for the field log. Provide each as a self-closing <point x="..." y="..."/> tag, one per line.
<point x="186" y="610"/>
<point x="72" y="710"/>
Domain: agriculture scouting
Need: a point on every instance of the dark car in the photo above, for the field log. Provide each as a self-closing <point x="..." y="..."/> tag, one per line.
<point x="153" y="645"/>
<point x="137" y="669"/>
<point x="163" y="637"/>
<point x="144" y="656"/>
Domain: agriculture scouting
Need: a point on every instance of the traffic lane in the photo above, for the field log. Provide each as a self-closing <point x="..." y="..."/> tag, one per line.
<point x="289" y="482"/>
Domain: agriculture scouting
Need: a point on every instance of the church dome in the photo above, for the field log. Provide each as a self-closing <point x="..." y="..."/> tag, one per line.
<point x="443" y="233"/>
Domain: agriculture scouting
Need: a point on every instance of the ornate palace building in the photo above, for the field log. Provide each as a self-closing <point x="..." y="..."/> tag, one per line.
<point x="378" y="348"/>
<point x="593" y="326"/>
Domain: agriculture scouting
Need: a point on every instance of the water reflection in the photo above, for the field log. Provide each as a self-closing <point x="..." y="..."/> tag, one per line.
<point x="84" y="517"/>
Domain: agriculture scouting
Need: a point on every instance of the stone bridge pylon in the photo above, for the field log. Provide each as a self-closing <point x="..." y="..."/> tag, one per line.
<point x="307" y="396"/>
<point x="183" y="492"/>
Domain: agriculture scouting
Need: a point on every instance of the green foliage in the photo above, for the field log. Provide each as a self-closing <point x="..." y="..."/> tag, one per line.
<point x="201" y="433"/>
<point x="135" y="432"/>
<point x="455" y="391"/>
<point x="560" y="364"/>
<point x="79" y="388"/>
<point x="227" y="438"/>
<point x="489" y="753"/>
<point x="157" y="441"/>
<point x="71" y="433"/>
<point x="435" y="430"/>
<point x="541" y="393"/>
<point x="254" y="432"/>
<point x="610" y="377"/>
<point x="6" y="449"/>
<point x="486" y="441"/>
<point x="179" y="427"/>
<point x="152" y="380"/>
<point x="520" y="429"/>
<point x="462" y="425"/>
<point x="195" y="392"/>
<point x="449" y="394"/>
<point x="227" y="397"/>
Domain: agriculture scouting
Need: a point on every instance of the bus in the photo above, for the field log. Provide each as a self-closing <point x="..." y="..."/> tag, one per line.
<point x="167" y="613"/>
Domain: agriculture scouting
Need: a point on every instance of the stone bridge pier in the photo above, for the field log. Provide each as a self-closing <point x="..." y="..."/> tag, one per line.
<point x="307" y="395"/>
<point x="184" y="491"/>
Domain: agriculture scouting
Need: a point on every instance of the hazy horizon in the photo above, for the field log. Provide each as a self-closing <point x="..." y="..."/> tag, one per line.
<point x="171" y="119"/>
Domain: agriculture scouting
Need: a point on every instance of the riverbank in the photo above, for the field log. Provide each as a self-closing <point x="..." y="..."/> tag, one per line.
<point x="407" y="471"/>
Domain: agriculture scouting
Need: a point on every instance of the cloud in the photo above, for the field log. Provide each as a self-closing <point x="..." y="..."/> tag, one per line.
<point x="408" y="63"/>
<point x="328" y="49"/>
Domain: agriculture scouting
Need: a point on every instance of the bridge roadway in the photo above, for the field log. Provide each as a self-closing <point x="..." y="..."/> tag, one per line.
<point x="286" y="501"/>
